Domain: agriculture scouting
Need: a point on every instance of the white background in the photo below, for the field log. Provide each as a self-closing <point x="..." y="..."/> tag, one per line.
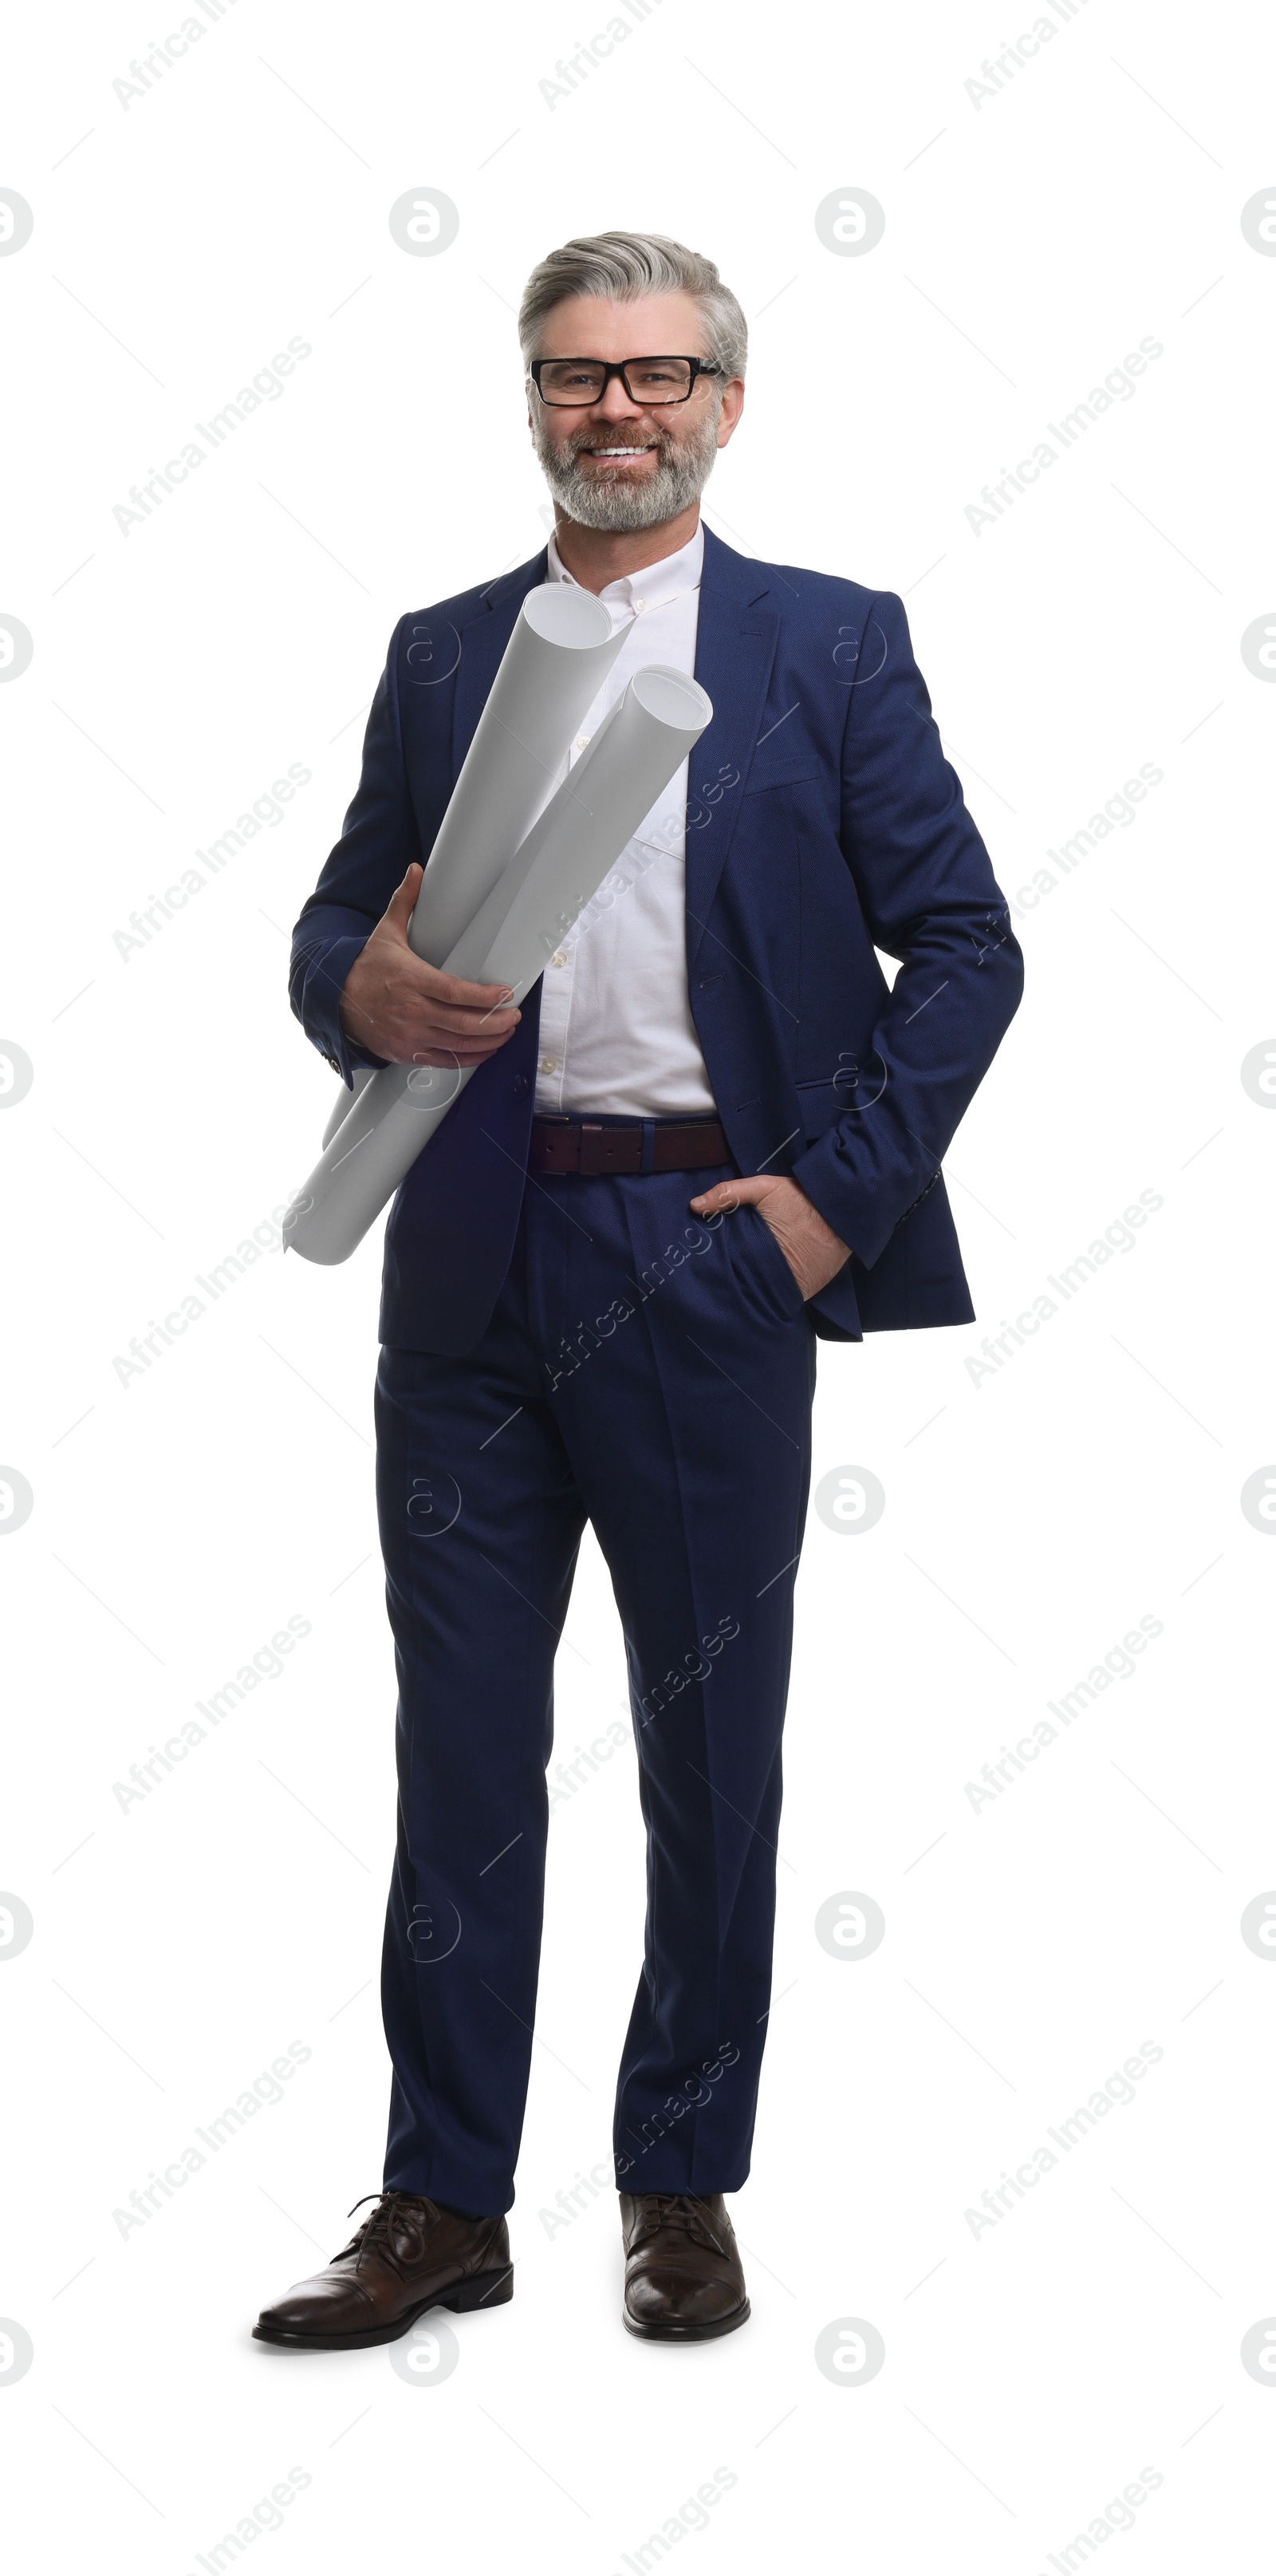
<point x="1032" y="1517"/>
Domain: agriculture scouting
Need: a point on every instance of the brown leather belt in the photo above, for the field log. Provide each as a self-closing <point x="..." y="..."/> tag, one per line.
<point x="585" y="1145"/>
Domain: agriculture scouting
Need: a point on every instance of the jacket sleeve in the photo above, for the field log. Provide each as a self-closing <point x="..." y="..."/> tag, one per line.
<point x="379" y="840"/>
<point x="930" y="899"/>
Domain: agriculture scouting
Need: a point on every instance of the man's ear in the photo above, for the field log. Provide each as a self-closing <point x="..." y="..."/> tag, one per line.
<point x="727" y="424"/>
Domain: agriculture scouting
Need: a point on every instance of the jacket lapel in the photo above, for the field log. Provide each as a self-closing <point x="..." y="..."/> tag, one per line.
<point x="483" y="640"/>
<point x="736" y="638"/>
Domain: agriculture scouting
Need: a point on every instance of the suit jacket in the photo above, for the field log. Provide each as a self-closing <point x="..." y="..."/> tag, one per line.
<point x="823" y="824"/>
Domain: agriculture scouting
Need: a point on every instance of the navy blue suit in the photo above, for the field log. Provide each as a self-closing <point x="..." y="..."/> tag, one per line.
<point x="580" y="1348"/>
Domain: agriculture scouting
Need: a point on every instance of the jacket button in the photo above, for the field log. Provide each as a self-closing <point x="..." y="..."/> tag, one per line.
<point x="331" y="1059"/>
<point x="521" y="1086"/>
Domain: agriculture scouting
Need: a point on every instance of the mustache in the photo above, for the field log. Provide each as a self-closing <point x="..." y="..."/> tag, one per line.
<point x="581" y="440"/>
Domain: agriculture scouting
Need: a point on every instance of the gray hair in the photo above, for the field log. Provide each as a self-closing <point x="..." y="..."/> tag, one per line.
<point x="621" y="267"/>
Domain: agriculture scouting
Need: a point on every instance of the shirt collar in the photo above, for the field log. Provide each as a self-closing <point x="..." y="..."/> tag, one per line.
<point x="652" y="587"/>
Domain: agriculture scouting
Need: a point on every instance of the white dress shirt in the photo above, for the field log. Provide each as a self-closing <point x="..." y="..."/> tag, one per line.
<point x="616" y="1032"/>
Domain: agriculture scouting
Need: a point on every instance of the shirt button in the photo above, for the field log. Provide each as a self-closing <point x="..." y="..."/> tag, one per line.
<point x="559" y="958"/>
<point x="640" y="604"/>
<point x="549" y="1064"/>
<point x="582" y="741"/>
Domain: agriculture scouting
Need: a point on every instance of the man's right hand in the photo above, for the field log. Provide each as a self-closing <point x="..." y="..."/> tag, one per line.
<point x="396" y="1006"/>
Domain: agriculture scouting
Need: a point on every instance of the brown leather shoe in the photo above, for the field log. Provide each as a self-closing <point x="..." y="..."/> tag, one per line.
<point x="409" y="2255"/>
<point x="683" y="2277"/>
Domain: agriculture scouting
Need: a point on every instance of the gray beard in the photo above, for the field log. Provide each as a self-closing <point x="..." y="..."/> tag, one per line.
<point x="617" y="505"/>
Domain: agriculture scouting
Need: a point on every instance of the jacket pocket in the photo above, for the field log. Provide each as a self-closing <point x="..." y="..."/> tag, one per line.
<point x="782" y="773"/>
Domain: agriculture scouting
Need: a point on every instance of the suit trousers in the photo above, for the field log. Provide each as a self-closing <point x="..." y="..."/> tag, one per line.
<point x="654" y="1375"/>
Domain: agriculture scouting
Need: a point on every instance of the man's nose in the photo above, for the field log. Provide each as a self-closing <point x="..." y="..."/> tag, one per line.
<point x="615" y="404"/>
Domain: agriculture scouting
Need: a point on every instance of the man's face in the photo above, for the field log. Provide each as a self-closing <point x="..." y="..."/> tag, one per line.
<point x="610" y="464"/>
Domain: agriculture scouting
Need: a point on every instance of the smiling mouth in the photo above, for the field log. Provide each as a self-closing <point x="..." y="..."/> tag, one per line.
<point x="611" y="453"/>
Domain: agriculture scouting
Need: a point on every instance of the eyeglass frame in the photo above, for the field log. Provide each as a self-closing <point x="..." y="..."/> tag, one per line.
<point x="698" y="366"/>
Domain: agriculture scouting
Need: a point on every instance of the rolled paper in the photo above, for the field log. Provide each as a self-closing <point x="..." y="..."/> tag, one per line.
<point x="551" y="671"/>
<point x="558" y="656"/>
<point x="638" y="748"/>
<point x="344" y="1101"/>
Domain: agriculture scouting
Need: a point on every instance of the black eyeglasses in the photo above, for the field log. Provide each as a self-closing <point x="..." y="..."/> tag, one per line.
<point x="574" y="383"/>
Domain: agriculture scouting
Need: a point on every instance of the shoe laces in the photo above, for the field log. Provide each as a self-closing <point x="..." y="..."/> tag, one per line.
<point x="372" y="2236"/>
<point x="682" y="2209"/>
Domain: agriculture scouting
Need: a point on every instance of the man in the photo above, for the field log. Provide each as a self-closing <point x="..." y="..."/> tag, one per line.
<point x="711" y="1135"/>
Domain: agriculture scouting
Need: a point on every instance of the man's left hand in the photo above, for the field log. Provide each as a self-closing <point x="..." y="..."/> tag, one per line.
<point x="813" y="1252"/>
